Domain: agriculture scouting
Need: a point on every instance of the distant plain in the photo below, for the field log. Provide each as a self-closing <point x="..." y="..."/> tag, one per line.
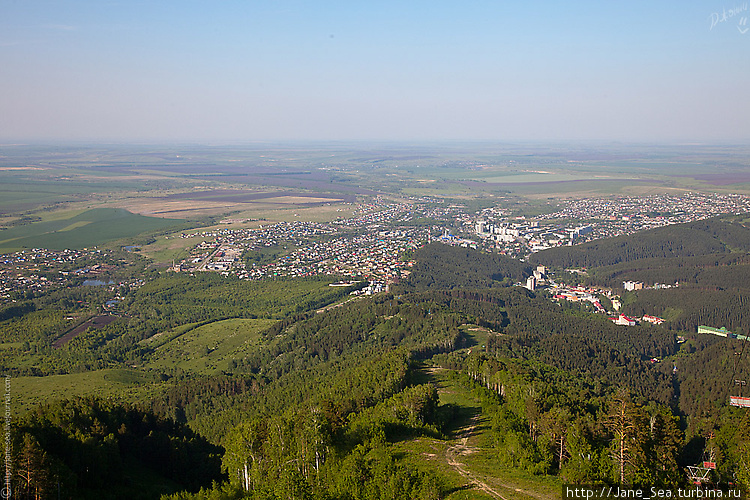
<point x="56" y="196"/>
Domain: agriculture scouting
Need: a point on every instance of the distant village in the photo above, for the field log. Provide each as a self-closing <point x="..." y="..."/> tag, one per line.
<point x="495" y="229"/>
<point x="375" y="245"/>
<point x="580" y="294"/>
<point x="370" y="246"/>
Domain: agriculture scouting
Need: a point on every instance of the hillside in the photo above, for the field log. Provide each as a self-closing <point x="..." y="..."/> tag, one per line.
<point x="441" y="266"/>
<point x="456" y="387"/>
<point x="93" y="449"/>
<point x="718" y="271"/>
<point x="706" y="237"/>
<point x="507" y="346"/>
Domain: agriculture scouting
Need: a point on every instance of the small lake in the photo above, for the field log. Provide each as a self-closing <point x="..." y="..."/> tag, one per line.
<point x="97" y="282"/>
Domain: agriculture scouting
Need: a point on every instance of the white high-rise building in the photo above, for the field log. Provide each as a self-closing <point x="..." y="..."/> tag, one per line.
<point x="531" y="283"/>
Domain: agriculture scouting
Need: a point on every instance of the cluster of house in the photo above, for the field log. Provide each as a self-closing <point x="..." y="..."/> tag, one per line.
<point x="639" y="285"/>
<point x="40" y="270"/>
<point x="381" y="211"/>
<point x="374" y="256"/>
<point x="577" y="294"/>
<point x="628" y="321"/>
<point x="367" y="245"/>
<point x="629" y="214"/>
<point x="607" y="217"/>
<point x="591" y="295"/>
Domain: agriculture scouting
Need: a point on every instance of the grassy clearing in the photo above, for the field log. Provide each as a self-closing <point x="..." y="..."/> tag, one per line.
<point x="271" y="209"/>
<point x="21" y="191"/>
<point x="162" y="338"/>
<point x="12" y="201"/>
<point x="164" y="250"/>
<point x="48" y="216"/>
<point x="207" y="349"/>
<point x="512" y="484"/>
<point x="76" y="225"/>
<point x="582" y="188"/>
<point x="429" y="454"/>
<point x="174" y="209"/>
<point x="285" y="213"/>
<point x="128" y="385"/>
<point x="535" y="177"/>
<point x="476" y="335"/>
<point x="439" y="190"/>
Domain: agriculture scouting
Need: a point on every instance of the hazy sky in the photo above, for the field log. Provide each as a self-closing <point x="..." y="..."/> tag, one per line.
<point x="409" y="70"/>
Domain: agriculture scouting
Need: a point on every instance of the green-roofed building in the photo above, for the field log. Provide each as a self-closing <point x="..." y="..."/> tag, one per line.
<point x="721" y="332"/>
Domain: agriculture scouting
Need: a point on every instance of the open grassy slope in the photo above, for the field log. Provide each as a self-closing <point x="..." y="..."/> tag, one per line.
<point x="208" y="348"/>
<point x="466" y="459"/>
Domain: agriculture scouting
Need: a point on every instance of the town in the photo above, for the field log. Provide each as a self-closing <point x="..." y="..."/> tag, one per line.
<point x="374" y="245"/>
<point x="597" y="218"/>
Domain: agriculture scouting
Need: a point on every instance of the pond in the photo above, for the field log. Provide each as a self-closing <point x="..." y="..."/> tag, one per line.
<point x="97" y="282"/>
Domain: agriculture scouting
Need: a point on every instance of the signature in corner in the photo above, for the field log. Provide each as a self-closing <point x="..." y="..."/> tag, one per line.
<point x="717" y="18"/>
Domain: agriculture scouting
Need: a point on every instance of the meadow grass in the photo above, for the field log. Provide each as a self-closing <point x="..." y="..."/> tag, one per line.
<point x="290" y="213"/>
<point x="54" y="215"/>
<point x="124" y="384"/>
<point x="165" y="250"/>
<point x="208" y="348"/>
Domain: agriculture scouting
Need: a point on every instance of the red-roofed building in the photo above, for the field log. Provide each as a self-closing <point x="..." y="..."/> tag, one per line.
<point x="652" y="319"/>
<point x="623" y="320"/>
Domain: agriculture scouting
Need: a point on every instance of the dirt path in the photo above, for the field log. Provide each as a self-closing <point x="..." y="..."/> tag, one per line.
<point x="460" y="446"/>
<point x="97" y="322"/>
<point x="338" y="304"/>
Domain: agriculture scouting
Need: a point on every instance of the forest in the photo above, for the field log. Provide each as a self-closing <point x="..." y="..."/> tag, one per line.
<point x="90" y="448"/>
<point x="335" y="392"/>
<point x="441" y="266"/>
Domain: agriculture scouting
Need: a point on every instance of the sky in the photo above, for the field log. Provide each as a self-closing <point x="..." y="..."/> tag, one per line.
<point x="269" y="70"/>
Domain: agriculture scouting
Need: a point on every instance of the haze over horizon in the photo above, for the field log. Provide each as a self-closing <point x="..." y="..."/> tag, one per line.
<point x="412" y="71"/>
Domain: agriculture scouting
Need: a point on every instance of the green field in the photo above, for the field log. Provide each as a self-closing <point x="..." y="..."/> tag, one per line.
<point x="81" y="230"/>
<point x="124" y="384"/>
<point x="24" y="189"/>
<point x="35" y="179"/>
<point x="208" y="348"/>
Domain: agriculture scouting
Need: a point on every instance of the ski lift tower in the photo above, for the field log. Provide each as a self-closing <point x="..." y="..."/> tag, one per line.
<point x="701" y="473"/>
<point x="739" y="400"/>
